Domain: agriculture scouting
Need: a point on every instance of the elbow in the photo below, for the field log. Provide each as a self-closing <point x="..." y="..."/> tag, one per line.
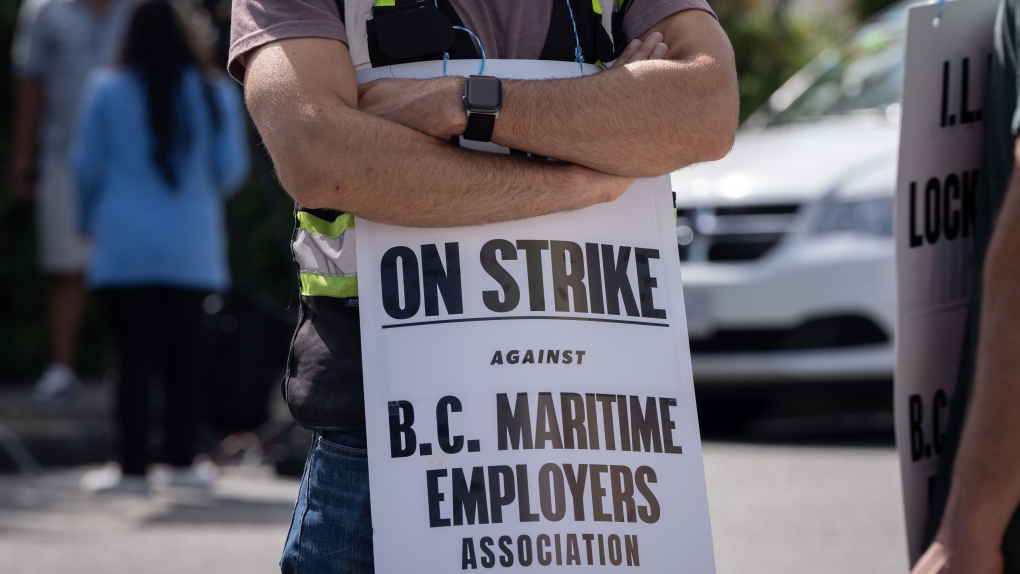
<point x="311" y="200"/>
<point x="297" y="138"/>
<point x="718" y="101"/>
<point x="302" y="176"/>
<point x="307" y="178"/>
<point x="298" y="160"/>
<point x="708" y="133"/>
<point x="299" y="180"/>
<point x="722" y="112"/>
<point x="719" y="143"/>
<point x="711" y="141"/>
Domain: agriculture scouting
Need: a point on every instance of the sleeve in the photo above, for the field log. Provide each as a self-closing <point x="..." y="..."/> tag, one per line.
<point x="232" y="160"/>
<point x="89" y="147"/>
<point x="29" y="53"/>
<point x="254" y="23"/>
<point x="641" y="15"/>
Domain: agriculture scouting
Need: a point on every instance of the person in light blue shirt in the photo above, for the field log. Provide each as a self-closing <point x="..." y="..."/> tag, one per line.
<point x="149" y="225"/>
<point x="160" y="146"/>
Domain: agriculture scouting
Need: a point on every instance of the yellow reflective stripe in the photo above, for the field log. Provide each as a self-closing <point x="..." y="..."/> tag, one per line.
<point x="334" y="229"/>
<point x="597" y="6"/>
<point x="315" y="285"/>
<point x="385" y="3"/>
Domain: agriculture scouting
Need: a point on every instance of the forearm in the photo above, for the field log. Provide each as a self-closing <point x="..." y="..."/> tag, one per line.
<point x="27" y="113"/>
<point x="386" y="173"/>
<point x="646" y="116"/>
<point x="986" y="477"/>
<point x="643" y="119"/>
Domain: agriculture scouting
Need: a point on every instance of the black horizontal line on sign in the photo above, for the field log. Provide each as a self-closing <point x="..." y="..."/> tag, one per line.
<point x="527" y="318"/>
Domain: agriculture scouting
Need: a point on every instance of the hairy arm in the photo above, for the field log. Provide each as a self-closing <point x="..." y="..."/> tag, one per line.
<point x="643" y="118"/>
<point x="302" y="94"/>
<point x="27" y="113"/>
<point x="985" y="489"/>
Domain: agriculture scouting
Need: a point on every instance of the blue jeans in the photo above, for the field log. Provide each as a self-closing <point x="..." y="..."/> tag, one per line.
<point x="332" y="526"/>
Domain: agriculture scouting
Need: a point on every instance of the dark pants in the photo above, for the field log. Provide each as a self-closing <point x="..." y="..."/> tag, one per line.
<point x="155" y="330"/>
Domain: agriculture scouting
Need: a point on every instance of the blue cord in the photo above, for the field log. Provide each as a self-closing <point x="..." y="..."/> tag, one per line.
<point x="938" y="17"/>
<point x="446" y="55"/>
<point x="578" y="56"/>
<point x="481" y="70"/>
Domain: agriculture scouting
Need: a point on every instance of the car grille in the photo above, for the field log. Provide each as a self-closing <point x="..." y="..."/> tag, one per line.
<point x="733" y="233"/>
<point x="818" y="333"/>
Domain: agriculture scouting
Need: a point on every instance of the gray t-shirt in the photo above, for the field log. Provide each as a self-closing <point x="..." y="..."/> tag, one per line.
<point x="60" y="42"/>
<point x="509" y="29"/>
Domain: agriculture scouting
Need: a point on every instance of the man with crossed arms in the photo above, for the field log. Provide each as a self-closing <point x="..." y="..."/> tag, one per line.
<point x="381" y="152"/>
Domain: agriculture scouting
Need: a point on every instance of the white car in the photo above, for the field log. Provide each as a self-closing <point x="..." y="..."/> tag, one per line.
<point x="787" y="243"/>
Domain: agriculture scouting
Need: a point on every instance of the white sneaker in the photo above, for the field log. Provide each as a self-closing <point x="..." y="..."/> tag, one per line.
<point x="56" y="391"/>
<point x="110" y="480"/>
<point x="201" y="474"/>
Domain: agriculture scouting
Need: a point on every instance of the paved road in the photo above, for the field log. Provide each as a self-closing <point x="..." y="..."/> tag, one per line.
<point x="775" y="510"/>
<point x="792" y="510"/>
<point x="48" y="527"/>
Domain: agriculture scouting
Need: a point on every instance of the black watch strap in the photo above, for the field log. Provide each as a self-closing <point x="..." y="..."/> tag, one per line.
<point x="479" y="127"/>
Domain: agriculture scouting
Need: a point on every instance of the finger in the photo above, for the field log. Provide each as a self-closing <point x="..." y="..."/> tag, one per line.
<point x="934" y="561"/>
<point x="659" y="52"/>
<point x="627" y="53"/>
<point x="644" y="51"/>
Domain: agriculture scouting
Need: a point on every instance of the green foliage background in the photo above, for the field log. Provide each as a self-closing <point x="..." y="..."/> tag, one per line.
<point x="770" y="40"/>
<point x="864" y="8"/>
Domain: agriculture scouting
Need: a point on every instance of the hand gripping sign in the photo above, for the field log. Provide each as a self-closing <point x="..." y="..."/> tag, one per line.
<point x="528" y="386"/>
<point x="940" y="154"/>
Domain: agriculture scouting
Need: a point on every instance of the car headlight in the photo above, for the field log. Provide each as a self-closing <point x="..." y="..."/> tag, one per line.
<point x="873" y="216"/>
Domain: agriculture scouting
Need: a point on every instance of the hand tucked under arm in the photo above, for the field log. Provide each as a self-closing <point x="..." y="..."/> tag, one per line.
<point x="668" y="102"/>
<point x="302" y="94"/>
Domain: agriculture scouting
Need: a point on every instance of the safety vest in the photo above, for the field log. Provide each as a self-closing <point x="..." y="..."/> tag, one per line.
<point x="324" y="242"/>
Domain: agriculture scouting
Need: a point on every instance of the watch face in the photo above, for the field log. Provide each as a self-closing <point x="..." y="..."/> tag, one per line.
<point x="483" y="94"/>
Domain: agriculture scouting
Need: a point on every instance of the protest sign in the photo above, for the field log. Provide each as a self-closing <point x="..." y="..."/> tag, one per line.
<point x="946" y="69"/>
<point x="528" y="387"/>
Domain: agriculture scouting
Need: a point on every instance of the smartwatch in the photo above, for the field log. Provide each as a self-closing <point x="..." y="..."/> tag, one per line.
<point x="483" y="98"/>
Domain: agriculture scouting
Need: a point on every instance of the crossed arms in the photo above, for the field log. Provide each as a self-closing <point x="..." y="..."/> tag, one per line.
<point x="385" y="157"/>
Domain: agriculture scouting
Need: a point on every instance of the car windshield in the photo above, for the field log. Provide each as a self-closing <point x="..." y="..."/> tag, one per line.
<point x="861" y="74"/>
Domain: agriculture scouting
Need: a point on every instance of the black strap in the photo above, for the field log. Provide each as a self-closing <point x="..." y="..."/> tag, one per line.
<point x="596" y="44"/>
<point x="560" y="45"/>
<point x="323" y="213"/>
<point x="619" y="36"/>
<point x="382" y="52"/>
<point x="479" y="127"/>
